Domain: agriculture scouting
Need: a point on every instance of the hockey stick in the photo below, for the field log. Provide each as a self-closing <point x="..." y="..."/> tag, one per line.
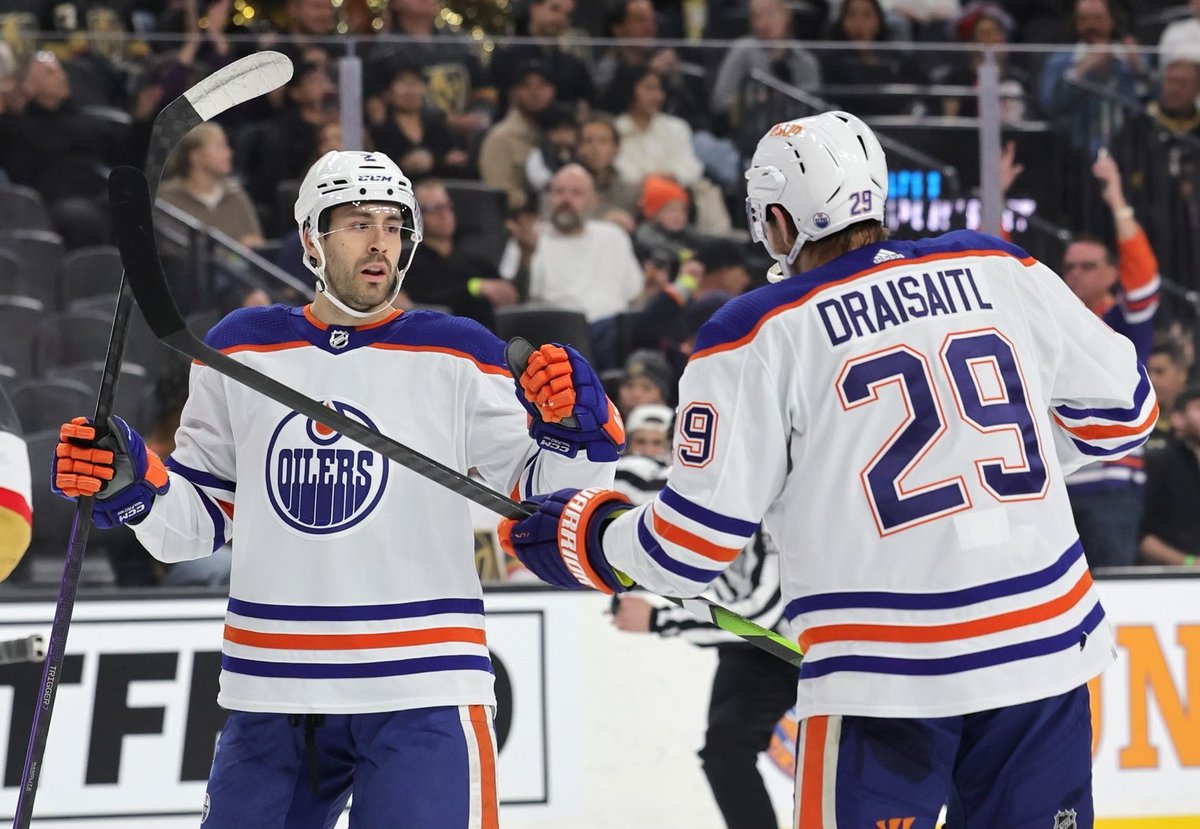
<point x="30" y="649"/>
<point x="134" y="230"/>
<point x="229" y="86"/>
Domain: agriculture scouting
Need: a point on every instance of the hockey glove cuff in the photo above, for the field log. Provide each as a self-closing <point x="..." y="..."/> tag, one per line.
<point x="566" y="402"/>
<point x="560" y="543"/>
<point x="118" y="469"/>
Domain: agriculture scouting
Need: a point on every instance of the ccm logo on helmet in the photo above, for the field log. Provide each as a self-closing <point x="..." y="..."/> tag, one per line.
<point x="374" y="178"/>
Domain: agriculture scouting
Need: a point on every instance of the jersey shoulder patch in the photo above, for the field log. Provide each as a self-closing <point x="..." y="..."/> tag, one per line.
<point x="260" y="326"/>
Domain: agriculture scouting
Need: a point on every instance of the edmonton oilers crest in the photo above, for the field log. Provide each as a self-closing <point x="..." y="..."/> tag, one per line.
<point x="319" y="482"/>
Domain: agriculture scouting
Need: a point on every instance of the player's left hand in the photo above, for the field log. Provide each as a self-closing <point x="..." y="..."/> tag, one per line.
<point x="560" y="542"/>
<point x="566" y="401"/>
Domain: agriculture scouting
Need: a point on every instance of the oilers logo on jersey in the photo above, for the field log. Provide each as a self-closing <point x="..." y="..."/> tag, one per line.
<point x="318" y="482"/>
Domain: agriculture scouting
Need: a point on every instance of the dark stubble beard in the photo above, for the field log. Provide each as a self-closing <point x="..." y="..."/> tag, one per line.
<point x="360" y="298"/>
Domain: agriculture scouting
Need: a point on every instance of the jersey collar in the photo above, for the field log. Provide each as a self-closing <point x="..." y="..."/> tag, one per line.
<point x="338" y="339"/>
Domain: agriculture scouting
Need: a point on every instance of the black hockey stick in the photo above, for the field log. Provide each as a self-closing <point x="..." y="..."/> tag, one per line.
<point x="229" y="86"/>
<point x="134" y="230"/>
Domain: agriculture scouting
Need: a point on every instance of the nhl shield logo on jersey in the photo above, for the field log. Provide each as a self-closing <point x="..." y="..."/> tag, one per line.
<point x="1065" y="819"/>
<point x="318" y="482"/>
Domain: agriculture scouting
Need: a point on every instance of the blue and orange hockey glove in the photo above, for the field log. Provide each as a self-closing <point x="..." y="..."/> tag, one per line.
<point x="566" y="402"/>
<point x="560" y="543"/>
<point x="118" y="469"/>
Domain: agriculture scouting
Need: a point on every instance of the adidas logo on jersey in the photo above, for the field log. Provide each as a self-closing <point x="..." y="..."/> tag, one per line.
<point x="885" y="255"/>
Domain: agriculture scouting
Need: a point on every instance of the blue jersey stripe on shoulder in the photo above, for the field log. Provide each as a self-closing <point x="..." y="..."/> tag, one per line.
<point x="738" y="318"/>
<point x="268" y="325"/>
<point x="434" y="330"/>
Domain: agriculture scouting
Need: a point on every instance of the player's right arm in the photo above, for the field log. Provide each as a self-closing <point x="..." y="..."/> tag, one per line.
<point x="1102" y="405"/>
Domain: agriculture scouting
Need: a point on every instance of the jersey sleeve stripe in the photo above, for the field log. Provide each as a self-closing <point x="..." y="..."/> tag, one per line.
<point x="913" y="634"/>
<point x="486" y="368"/>
<point x="355" y="670"/>
<point x="353" y="613"/>
<point x="731" y="345"/>
<point x="354" y="641"/>
<point x="677" y="535"/>
<point x="1104" y="451"/>
<point x="214" y="514"/>
<point x="660" y="557"/>
<point x="15" y="502"/>
<point x="1097" y="432"/>
<point x="811" y="669"/>
<point x="199" y="477"/>
<point x="706" y="517"/>
<point x="939" y="601"/>
<point x="1116" y="414"/>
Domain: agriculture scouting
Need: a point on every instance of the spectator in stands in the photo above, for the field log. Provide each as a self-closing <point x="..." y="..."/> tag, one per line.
<point x="572" y="81"/>
<point x="663" y="240"/>
<point x="311" y="18"/>
<point x="63" y="152"/>
<point x="523" y="225"/>
<point x="983" y="24"/>
<point x="926" y="16"/>
<point x="861" y="24"/>
<point x="627" y="20"/>
<point x="1075" y="83"/>
<point x="414" y="133"/>
<point x="443" y="275"/>
<point x="1167" y="367"/>
<point x="458" y="84"/>
<point x="1170" y="529"/>
<point x="310" y="102"/>
<point x="1181" y="39"/>
<point x="648" y="379"/>
<point x="652" y="142"/>
<point x="1160" y="152"/>
<point x="616" y="198"/>
<point x="559" y="146"/>
<point x="508" y="144"/>
<point x="648" y="432"/>
<point x="201" y="184"/>
<point x="583" y="264"/>
<point x="1107" y="497"/>
<point x="764" y="49"/>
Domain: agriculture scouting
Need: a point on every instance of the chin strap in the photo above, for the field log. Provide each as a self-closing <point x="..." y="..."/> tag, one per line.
<point x="782" y="268"/>
<point x="323" y="287"/>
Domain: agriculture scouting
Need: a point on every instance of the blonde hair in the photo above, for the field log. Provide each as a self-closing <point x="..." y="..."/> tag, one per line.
<point x="181" y="160"/>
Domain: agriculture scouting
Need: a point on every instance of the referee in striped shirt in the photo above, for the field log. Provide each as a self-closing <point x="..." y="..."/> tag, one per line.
<point x="751" y="689"/>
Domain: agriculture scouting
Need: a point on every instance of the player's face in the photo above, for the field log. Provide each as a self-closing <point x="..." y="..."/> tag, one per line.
<point x="363" y="246"/>
<point x="1088" y="273"/>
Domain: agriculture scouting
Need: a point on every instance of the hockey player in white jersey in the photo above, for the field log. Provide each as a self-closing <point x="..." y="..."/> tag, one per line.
<point x="901" y="415"/>
<point x="354" y="656"/>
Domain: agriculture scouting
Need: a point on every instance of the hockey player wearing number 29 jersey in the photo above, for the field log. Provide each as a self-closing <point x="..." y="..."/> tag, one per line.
<point x="354" y="655"/>
<point x="901" y="416"/>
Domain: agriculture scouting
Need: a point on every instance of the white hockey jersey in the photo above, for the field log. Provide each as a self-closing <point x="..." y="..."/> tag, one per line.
<point x="902" y="418"/>
<point x="353" y="586"/>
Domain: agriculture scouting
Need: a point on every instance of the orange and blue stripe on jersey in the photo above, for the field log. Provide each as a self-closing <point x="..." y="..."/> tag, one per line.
<point x="281" y="328"/>
<point x="277" y="640"/>
<point x="689" y="540"/>
<point x="1104" y="432"/>
<point x="738" y="322"/>
<point x="1074" y="604"/>
<point x="210" y="490"/>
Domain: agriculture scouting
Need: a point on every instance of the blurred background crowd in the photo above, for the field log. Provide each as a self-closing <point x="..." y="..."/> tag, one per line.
<point x="578" y="166"/>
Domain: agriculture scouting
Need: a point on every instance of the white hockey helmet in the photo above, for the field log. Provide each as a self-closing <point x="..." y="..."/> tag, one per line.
<point x="345" y="177"/>
<point x="827" y="171"/>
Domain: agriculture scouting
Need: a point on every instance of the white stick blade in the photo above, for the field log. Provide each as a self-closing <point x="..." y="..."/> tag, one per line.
<point x="240" y="81"/>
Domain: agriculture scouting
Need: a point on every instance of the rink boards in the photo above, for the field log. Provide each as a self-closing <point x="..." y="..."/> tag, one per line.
<point x="586" y="712"/>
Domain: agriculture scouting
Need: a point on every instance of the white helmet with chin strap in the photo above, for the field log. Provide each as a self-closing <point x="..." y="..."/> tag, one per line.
<point x="346" y="177"/>
<point x="827" y="171"/>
